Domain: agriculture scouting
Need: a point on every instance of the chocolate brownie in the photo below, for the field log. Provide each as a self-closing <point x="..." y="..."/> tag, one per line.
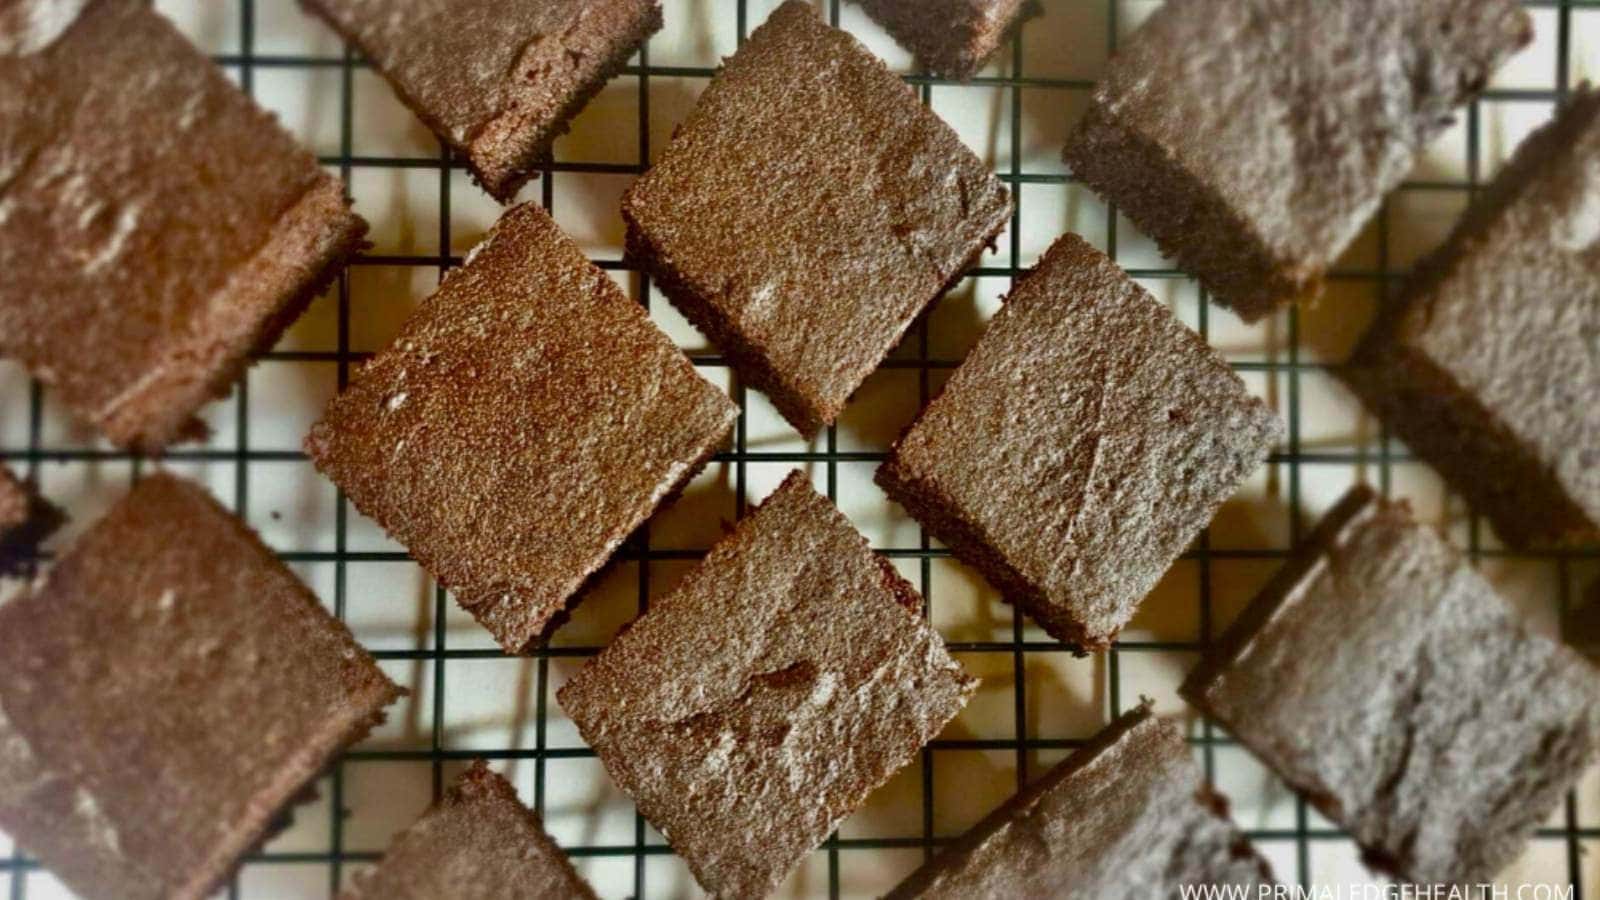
<point x="25" y="520"/>
<point x="497" y="80"/>
<point x="807" y="210"/>
<point x="1125" y="816"/>
<point x="752" y="709"/>
<point x="156" y="226"/>
<point x="1490" y="365"/>
<point x="528" y="417"/>
<point x="952" y="38"/>
<point x="1381" y="677"/>
<point x="1253" y="139"/>
<point x="478" y="843"/>
<point x="1080" y="447"/>
<point x="165" y="690"/>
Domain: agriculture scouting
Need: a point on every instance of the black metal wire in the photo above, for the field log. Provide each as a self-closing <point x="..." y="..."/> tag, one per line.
<point x="1023" y="743"/>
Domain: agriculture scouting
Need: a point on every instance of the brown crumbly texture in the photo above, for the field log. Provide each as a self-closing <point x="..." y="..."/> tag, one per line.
<point x="952" y="38"/>
<point x="754" y="708"/>
<point x="528" y="417"/>
<point x="1080" y="447"/>
<point x="1254" y="139"/>
<point x="25" y="520"/>
<point x="498" y="80"/>
<point x="156" y="226"/>
<point x="1125" y="817"/>
<point x="807" y="210"/>
<point x="1490" y="365"/>
<point x="165" y="691"/>
<point x="1382" y="678"/>
<point x="478" y="843"/>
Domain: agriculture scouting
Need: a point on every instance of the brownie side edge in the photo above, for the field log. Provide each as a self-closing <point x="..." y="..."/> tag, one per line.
<point x="1187" y="219"/>
<point x="304" y="254"/>
<point x="937" y="513"/>
<point x="805" y="413"/>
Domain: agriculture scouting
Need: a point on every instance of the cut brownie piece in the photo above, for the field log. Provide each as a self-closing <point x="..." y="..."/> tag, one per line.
<point x="478" y="843"/>
<point x="25" y="520"/>
<point x="498" y="80"/>
<point x="1381" y="677"/>
<point x="807" y="210"/>
<point x="1125" y="816"/>
<point x="156" y="226"/>
<point x="952" y="38"/>
<point x="1080" y="447"/>
<point x="758" y="704"/>
<point x="1253" y="139"/>
<point x="164" y="691"/>
<point x="528" y="417"/>
<point x="1490" y="365"/>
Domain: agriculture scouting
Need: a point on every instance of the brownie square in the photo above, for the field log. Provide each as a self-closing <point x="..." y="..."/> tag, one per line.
<point x="1254" y="139"/>
<point x="952" y="38"/>
<point x="1081" y="446"/>
<point x="756" y="706"/>
<point x="807" y="210"/>
<point x="1127" y="815"/>
<point x="527" y="418"/>
<point x="1489" y="367"/>
<point x="497" y="80"/>
<point x="1384" y="680"/>
<point x="477" y="843"/>
<point x="25" y="520"/>
<point x="165" y="690"/>
<point x="156" y="226"/>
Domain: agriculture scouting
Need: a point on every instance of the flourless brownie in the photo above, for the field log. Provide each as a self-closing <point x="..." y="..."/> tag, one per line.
<point x="1125" y="816"/>
<point x="497" y="80"/>
<point x="952" y="38"/>
<point x="25" y="519"/>
<point x="165" y="690"/>
<point x="478" y="843"/>
<point x="1080" y="447"/>
<point x="528" y="417"/>
<point x="1489" y="367"/>
<point x="156" y="226"/>
<point x="758" y="704"/>
<point x="1253" y="139"/>
<point x="807" y="210"/>
<point x="1382" y="677"/>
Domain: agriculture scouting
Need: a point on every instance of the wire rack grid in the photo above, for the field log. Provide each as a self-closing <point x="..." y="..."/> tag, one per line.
<point x="470" y="701"/>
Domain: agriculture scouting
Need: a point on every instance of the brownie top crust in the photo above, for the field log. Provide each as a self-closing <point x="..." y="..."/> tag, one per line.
<point x="952" y="38"/>
<point x="1381" y="676"/>
<point x="758" y="704"/>
<point x="496" y="79"/>
<point x="155" y="225"/>
<point x="1081" y="446"/>
<point x="1125" y="816"/>
<point x="477" y="843"/>
<point x="1300" y="115"/>
<point x="810" y="207"/>
<point x="526" y="419"/>
<point x="1508" y="310"/>
<point x="213" y="683"/>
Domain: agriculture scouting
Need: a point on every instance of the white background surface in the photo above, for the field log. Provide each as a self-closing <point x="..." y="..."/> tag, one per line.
<point x="1036" y="699"/>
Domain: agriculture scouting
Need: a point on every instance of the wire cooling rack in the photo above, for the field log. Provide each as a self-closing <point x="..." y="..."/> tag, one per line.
<point x="469" y="701"/>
